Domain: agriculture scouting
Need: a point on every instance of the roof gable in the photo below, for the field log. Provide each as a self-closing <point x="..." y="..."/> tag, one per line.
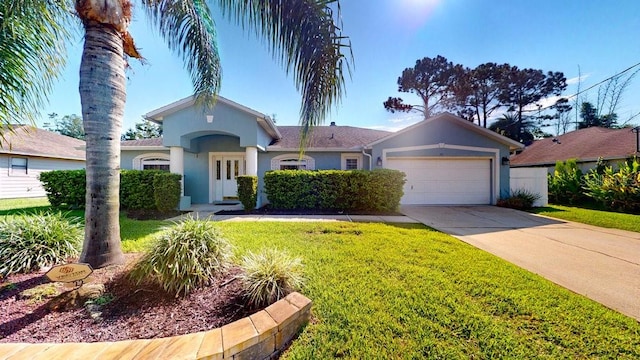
<point x="513" y="145"/>
<point x="585" y="145"/>
<point x="31" y="141"/>
<point x="159" y="114"/>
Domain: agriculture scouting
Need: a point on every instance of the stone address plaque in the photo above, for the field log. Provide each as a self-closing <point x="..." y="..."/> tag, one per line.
<point x="68" y="273"/>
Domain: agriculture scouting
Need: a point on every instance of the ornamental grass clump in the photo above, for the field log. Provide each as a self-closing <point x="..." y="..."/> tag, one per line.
<point x="184" y="257"/>
<point x="269" y="276"/>
<point x="29" y="242"/>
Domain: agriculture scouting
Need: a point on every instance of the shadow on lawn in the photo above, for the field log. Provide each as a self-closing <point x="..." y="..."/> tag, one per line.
<point x="26" y="210"/>
<point x="545" y="209"/>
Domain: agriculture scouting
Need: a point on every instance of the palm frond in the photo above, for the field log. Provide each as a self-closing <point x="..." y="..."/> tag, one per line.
<point x="306" y="37"/>
<point x="189" y="30"/>
<point x="32" y="54"/>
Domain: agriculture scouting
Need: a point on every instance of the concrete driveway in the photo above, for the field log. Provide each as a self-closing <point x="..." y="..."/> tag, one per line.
<point x="601" y="264"/>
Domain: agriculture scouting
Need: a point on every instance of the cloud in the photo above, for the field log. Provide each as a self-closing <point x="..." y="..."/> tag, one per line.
<point x="577" y="79"/>
<point x="398" y="123"/>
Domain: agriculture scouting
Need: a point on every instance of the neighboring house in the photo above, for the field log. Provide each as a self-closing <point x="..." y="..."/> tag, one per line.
<point x="28" y="151"/>
<point x="448" y="160"/>
<point x="584" y="145"/>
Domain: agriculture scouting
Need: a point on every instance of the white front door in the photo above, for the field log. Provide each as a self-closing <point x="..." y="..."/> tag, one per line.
<point x="233" y="166"/>
<point x="225" y="169"/>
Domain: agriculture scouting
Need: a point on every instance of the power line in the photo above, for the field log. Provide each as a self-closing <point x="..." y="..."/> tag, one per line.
<point x="592" y="86"/>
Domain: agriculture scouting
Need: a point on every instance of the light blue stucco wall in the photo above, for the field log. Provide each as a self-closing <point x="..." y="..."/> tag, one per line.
<point x="127" y="156"/>
<point x="184" y="126"/>
<point x="323" y="161"/>
<point x="451" y="133"/>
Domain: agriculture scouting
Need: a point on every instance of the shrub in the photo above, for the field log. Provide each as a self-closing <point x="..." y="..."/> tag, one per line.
<point x="65" y="188"/>
<point x="617" y="190"/>
<point x="137" y="189"/>
<point x="166" y="191"/>
<point x="520" y="199"/>
<point x="269" y="276"/>
<point x="248" y="191"/>
<point x="30" y="242"/>
<point x="565" y="185"/>
<point x="377" y="190"/>
<point x="185" y="256"/>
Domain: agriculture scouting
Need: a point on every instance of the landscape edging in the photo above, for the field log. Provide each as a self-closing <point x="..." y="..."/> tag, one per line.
<point x="258" y="336"/>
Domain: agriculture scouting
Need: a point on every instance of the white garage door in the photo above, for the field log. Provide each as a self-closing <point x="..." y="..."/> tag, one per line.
<point x="444" y="181"/>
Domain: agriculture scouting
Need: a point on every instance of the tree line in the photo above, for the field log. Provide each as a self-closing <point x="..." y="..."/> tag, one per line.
<point x="490" y="88"/>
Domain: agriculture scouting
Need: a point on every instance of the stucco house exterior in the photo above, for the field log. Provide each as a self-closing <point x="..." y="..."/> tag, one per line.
<point x="27" y="151"/>
<point x="584" y="145"/>
<point x="448" y="160"/>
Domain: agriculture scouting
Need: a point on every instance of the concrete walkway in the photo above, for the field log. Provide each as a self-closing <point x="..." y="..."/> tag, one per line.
<point x="601" y="264"/>
<point x="208" y="212"/>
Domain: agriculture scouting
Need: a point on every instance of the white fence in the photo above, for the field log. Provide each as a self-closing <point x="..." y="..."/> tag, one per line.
<point x="533" y="180"/>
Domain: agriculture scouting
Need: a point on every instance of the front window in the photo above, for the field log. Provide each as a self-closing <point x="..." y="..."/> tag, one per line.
<point x="351" y="164"/>
<point x="151" y="161"/>
<point x="155" y="164"/>
<point x="292" y="162"/>
<point x="351" y="161"/>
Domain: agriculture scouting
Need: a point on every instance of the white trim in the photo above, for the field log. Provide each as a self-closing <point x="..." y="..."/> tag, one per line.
<point x="310" y="162"/>
<point x="468" y="124"/>
<point x="211" y="169"/>
<point x="345" y="156"/>
<point x="144" y="148"/>
<point x="495" y="163"/>
<point x="137" y="161"/>
<point x="48" y="156"/>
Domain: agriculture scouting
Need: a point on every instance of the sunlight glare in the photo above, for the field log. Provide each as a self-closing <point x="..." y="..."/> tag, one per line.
<point x="414" y="13"/>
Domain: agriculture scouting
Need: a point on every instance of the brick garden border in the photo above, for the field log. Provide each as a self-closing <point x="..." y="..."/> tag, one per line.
<point x="258" y="336"/>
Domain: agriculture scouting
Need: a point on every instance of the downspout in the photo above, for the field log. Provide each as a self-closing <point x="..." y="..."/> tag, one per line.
<point x="370" y="158"/>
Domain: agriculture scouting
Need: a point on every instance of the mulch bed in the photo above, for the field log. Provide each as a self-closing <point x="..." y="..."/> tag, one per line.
<point x="267" y="210"/>
<point x="134" y="313"/>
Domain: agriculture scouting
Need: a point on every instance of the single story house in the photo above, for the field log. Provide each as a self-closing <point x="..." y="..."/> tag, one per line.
<point x="584" y="145"/>
<point x="447" y="159"/>
<point x="27" y="151"/>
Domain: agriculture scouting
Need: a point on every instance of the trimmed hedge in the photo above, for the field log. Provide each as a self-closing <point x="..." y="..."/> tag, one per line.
<point x="353" y="190"/>
<point x="65" y="188"/>
<point x="248" y="191"/>
<point x="139" y="189"/>
<point x="167" y="191"/>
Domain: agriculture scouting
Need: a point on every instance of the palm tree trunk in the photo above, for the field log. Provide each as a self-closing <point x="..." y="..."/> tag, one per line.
<point x="103" y="96"/>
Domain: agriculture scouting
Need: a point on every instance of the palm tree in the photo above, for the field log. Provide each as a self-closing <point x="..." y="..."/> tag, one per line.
<point x="304" y="35"/>
<point x="32" y="37"/>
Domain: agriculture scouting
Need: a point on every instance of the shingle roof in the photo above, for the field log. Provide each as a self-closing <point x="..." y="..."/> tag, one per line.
<point x="328" y="137"/>
<point x="27" y="140"/>
<point x="586" y="145"/>
<point x="142" y="142"/>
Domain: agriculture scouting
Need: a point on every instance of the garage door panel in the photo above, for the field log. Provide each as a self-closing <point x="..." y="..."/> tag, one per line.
<point x="445" y="181"/>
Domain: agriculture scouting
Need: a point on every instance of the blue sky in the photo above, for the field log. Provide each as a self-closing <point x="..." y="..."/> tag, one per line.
<point x="387" y="36"/>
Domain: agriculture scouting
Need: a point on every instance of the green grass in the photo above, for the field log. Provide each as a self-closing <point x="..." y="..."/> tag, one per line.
<point x="385" y="291"/>
<point x="29" y="205"/>
<point x="606" y="219"/>
<point x="382" y="291"/>
<point x="136" y="235"/>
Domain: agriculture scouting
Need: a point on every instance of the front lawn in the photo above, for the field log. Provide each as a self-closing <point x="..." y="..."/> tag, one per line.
<point x="405" y="291"/>
<point x="389" y="291"/>
<point x="606" y="219"/>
